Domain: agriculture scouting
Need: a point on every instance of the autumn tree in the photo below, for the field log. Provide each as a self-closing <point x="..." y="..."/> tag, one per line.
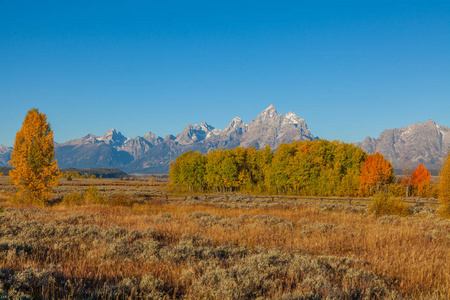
<point x="35" y="170"/>
<point x="278" y="175"/>
<point x="444" y="187"/>
<point x="316" y="168"/>
<point x="375" y="173"/>
<point x="223" y="170"/>
<point x="418" y="180"/>
<point x="188" y="171"/>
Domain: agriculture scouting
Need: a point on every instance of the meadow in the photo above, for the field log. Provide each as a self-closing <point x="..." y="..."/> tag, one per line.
<point x="142" y="242"/>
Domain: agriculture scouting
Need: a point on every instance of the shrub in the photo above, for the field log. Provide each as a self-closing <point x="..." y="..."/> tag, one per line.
<point x="74" y="199"/>
<point x="384" y="204"/>
<point x="396" y="190"/>
<point x="93" y="196"/>
<point x="120" y="199"/>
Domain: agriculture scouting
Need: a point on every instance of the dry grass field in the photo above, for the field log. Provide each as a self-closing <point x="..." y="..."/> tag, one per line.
<point x="217" y="247"/>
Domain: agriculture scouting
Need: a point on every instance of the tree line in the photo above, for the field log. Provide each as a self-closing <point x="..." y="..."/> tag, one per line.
<point x="309" y="168"/>
<point x="97" y="172"/>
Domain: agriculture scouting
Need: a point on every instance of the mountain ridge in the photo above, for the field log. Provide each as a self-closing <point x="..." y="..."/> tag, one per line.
<point x="425" y="142"/>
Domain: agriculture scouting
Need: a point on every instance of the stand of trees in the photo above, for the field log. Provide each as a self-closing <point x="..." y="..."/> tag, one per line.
<point x="318" y="168"/>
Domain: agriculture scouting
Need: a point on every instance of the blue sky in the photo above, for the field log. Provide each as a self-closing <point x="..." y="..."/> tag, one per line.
<point x="350" y="70"/>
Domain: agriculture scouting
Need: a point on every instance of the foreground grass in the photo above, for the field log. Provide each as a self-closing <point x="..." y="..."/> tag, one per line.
<point x="222" y="249"/>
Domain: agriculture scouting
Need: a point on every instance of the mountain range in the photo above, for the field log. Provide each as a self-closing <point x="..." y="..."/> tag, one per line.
<point x="404" y="147"/>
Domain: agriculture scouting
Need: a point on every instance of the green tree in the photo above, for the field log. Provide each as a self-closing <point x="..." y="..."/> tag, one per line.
<point x="35" y="170"/>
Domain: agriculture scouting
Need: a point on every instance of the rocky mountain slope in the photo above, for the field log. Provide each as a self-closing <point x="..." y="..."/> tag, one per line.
<point x="406" y="147"/>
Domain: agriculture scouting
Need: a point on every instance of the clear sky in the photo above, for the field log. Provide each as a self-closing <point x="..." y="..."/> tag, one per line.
<point x="350" y="70"/>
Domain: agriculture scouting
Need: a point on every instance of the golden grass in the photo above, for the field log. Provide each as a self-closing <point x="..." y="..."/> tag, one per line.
<point x="412" y="254"/>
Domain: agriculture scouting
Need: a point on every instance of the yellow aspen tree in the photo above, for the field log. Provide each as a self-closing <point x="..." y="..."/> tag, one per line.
<point x="444" y="187"/>
<point x="35" y="170"/>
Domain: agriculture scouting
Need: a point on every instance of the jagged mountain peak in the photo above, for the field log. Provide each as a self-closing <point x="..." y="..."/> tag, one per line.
<point x="113" y="137"/>
<point x="203" y="126"/>
<point x="111" y="131"/>
<point x="271" y="107"/>
<point x="236" y="126"/>
<point x="191" y="134"/>
<point x="152" y="138"/>
<point x="236" y="122"/>
<point x="268" y="113"/>
<point x="89" y="138"/>
<point x="149" y="135"/>
<point x="196" y="133"/>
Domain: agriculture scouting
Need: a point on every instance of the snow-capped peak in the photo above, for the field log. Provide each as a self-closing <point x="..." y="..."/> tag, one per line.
<point x="268" y="113"/>
<point x="292" y="118"/>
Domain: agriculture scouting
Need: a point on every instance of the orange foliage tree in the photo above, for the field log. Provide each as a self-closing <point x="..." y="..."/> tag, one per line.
<point x="375" y="172"/>
<point x="419" y="179"/>
<point x="34" y="169"/>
